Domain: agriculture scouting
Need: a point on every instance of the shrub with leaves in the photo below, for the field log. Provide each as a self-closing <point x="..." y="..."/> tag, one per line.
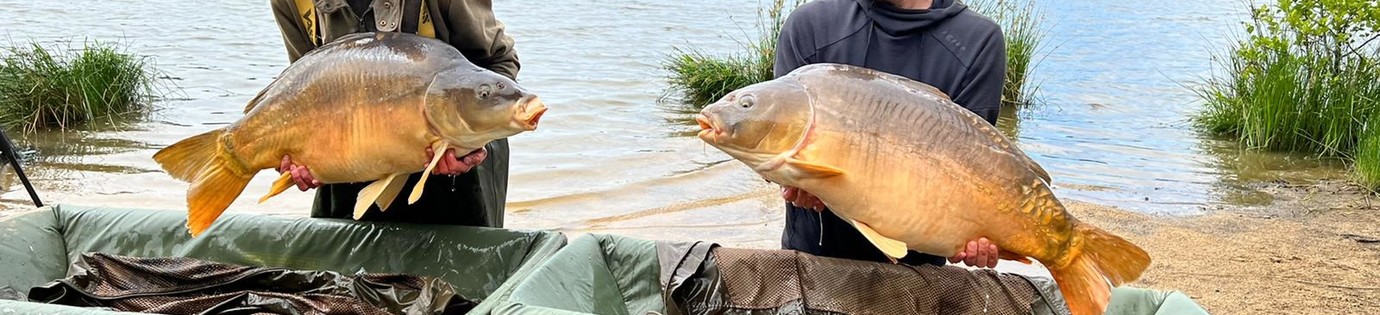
<point x="1306" y="78"/>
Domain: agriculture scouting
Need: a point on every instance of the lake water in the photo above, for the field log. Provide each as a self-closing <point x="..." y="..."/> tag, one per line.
<point x="611" y="157"/>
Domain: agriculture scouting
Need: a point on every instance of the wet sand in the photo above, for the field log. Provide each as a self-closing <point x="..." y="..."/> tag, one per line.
<point x="1315" y="250"/>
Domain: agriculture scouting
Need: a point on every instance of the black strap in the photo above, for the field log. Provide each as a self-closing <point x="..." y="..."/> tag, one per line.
<point x="411" y="12"/>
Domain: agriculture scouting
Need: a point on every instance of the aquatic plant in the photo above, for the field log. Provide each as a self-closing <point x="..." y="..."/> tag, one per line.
<point x="704" y="78"/>
<point x="1021" y="26"/>
<point x="1368" y="154"/>
<point x="42" y="88"/>
<point x="1305" y="79"/>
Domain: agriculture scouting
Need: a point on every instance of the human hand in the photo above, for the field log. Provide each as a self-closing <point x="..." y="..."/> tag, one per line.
<point x="800" y="198"/>
<point x="451" y="165"/>
<point x="300" y="174"/>
<point x="979" y="253"/>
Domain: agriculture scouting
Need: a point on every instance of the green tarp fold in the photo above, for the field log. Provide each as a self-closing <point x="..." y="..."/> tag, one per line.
<point x="36" y="247"/>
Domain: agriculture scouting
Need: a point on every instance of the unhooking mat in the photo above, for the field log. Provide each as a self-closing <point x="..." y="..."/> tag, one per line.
<point x="189" y="286"/>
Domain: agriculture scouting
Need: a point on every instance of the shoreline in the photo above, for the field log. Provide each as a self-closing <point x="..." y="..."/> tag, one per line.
<point x="1314" y="250"/>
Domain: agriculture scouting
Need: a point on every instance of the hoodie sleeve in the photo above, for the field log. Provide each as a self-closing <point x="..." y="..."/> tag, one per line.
<point x="982" y="85"/>
<point x="478" y="34"/>
<point x="294" y="34"/>
<point x="789" y="51"/>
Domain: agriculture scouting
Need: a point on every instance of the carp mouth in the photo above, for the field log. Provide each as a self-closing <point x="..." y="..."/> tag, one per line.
<point x="529" y="114"/>
<point x="707" y="130"/>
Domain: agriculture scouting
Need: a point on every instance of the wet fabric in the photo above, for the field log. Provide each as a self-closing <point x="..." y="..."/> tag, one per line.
<point x="749" y="281"/>
<point x="189" y="286"/>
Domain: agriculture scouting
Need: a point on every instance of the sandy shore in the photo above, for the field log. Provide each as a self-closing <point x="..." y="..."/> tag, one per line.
<point x="1314" y="250"/>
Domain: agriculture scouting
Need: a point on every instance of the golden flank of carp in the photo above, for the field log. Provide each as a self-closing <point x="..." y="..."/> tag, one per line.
<point x="362" y="108"/>
<point x="911" y="170"/>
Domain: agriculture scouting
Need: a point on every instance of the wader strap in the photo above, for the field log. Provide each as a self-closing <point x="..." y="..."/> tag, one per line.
<point x="424" y="25"/>
<point x="306" y="11"/>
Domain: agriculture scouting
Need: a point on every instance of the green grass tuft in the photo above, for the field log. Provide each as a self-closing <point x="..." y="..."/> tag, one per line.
<point x="41" y="88"/>
<point x="1368" y="155"/>
<point x="1024" y="33"/>
<point x="703" y="78"/>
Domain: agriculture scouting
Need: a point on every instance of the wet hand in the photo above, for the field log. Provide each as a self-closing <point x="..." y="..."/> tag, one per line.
<point x="300" y="174"/>
<point x="979" y="253"/>
<point x="800" y="198"/>
<point x="452" y="165"/>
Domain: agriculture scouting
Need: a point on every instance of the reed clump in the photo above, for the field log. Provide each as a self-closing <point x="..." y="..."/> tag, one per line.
<point x="45" y="88"/>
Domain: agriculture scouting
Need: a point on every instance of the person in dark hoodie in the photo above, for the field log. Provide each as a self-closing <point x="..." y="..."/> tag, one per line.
<point x="938" y="42"/>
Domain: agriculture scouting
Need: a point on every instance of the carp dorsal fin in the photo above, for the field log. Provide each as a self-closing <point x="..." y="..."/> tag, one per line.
<point x="1034" y="166"/>
<point x="893" y="248"/>
<point x="259" y="97"/>
<point x="438" y="149"/>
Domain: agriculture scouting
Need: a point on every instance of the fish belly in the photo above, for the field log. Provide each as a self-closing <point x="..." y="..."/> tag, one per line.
<point x="340" y="144"/>
<point x="904" y="214"/>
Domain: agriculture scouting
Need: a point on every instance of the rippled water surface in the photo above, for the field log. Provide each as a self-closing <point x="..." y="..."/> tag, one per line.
<point x="611" y="158"/>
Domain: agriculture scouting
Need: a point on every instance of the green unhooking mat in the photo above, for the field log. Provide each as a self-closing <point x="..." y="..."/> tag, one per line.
<point x="40" y="246"/>
<point x="179" y="285"/>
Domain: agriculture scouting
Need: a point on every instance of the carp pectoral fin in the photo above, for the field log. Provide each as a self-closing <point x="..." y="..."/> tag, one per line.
<point x="891" y="247"/>
<point x="439" y="149"/>
<point x="371" y="194"/>
<point x="813" y="169"/>
<point x="1007" y="255"/>
<point x="279" y="186"/>
<point x="390" y="192"/>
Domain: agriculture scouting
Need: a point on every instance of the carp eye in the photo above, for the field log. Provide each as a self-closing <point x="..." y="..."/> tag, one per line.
<point x="745" y="102"/>
<point x="484" y="91"/>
